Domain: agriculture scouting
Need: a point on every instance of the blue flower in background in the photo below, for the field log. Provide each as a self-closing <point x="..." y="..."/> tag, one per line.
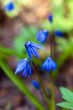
<point x="24" y="67"/>
<point x="36" y="84"/>
<point x="42" y="36"/>
<point x="49" y="64"/>
<point x="10" y="6"/>
<point x="32" y="49"/>
<point x="59" y="33"/>
<point x="50" y="17"/>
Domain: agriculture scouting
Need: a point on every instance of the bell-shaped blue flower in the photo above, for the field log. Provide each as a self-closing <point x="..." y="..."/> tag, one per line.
<point x="36" y="84"/>
<point x="59" y="33"/>
<point x="42" y="36"/>
<point x="32" y="49"/>
<point x="50" y="18"/>
<point x="49" y="64"/>
<point x="10" y="6"/>
<point x="24" y="67"/>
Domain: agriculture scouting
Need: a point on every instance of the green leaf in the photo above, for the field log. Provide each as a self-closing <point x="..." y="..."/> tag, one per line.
<point x="66" y="105"/>
<point x="66" y="94"/>
<point x="21" y="85"/>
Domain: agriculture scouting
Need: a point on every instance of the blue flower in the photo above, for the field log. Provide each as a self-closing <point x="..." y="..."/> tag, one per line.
<point x="10" y="6"/>
<point x="32" y="49"/>
<point x="59" y="33"/>
<point x="50" y="17"/>
<point x="49" y="64"/>
<point x="24" y="67"/>
<point x="42" y="36"/>
<point x="36" y="84"/>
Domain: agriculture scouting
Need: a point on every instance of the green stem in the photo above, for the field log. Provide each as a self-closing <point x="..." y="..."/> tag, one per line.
<point x="42" y="85"/>
<point x="52" y="40"/>
<point x="52" y="95"/>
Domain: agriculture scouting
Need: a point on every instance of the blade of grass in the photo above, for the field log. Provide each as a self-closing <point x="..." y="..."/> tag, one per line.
<point x="9" y="51"/>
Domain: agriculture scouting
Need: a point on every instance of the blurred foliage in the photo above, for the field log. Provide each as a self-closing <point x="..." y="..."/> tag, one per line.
<point x="63" y="24"/>
<point x="65" y="48"/>
<point x="62" y="21"/>
<point x="62" y="16"/>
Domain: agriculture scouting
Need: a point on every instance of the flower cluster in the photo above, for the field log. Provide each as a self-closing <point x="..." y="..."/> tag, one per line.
<point x="24" y="66"/>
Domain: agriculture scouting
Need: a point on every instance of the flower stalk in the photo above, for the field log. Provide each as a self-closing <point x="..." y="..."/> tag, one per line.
<point x="52" y="48"/>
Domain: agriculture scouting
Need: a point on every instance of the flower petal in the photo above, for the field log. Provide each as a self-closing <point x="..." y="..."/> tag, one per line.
<point x="24" y="74"/>
<point x="35" y="52"/>
<point x="36" y="45"/>
<point x="21" y="65"/>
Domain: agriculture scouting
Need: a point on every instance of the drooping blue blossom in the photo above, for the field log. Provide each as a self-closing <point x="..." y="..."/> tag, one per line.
<point x="50" y="17"/>
<point x="59" y="33"/>
<point x="24" y="67"/>
<point x="36" y="84"/>
<point x="49" y="64"/>
<point x="10" y="6"/>
<point x="32" y="49"/>
<point x="42" y="36"/>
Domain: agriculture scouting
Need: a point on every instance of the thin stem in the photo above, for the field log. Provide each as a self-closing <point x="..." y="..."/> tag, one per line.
<point x="43" y="87"/>
<point x="52" y="95"/>
<point x="43" y="98"/>
<point x="52" y="48"/>
<point x="46" y="100"/>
